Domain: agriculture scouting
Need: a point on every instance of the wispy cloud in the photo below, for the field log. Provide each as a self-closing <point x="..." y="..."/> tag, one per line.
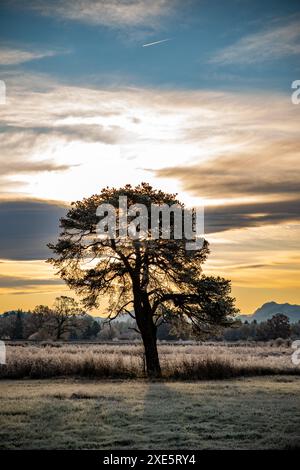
<point x="115" y="13"/>
<point x="211" y="145"/>
<point x="17" y="282"/>
<point x="252" y="214"/>
<point x="272" y="43"/>
<point x="15" y="56"/>
<point x="265" y="172"/>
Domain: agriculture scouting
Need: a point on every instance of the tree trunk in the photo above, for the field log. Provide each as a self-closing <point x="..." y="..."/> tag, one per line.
<point x="148" y="329"/>
<point x="151" y="354"/>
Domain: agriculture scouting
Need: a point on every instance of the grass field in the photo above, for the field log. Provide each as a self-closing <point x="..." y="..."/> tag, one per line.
<point x="252" y="413"/>
<point x="83" y="396"/>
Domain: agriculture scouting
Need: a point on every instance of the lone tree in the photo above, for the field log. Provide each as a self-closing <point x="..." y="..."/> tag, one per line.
<point x="151" y="280"/>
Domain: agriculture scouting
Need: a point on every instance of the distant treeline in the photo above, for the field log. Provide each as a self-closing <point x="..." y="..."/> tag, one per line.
<point x="65" y="321"/>
<point x="276" y="327"/>
<point x="21" y="325"/>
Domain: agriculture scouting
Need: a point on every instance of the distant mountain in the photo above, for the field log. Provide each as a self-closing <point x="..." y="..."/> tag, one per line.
<point x="269" y="309"/>
<point x="121" y="318"/>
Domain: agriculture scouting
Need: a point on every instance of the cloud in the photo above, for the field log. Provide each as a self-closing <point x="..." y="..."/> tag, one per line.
<point x="41" y="118"/>
<point x="270" y="44"/>
<point x="228" y="148"/>
<point x="17" y="159"/>
<point x="15" y="56"/>
<point x="238" y="216"/>
<point x="270" y="170"/>
<point x="15" y="281"/>
<point x="15" y="166"/>
<point x="26" y="226"/>
<point x="113" y="13"/>
<point x="83" y="132"/>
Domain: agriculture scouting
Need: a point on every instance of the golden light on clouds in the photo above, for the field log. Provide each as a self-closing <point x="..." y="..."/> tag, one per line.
<point x="237" y="152"/>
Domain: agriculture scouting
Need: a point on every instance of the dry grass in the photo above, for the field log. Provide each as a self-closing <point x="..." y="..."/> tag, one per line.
<point x="181" y="362"/>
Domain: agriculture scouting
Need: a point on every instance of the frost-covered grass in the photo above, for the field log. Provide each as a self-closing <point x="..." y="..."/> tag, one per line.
<point x="180" y="362"/>
<point x="251" y="413"/>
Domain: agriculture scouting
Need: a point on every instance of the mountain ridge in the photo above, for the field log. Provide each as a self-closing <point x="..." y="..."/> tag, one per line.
<point x="268" y="309"/>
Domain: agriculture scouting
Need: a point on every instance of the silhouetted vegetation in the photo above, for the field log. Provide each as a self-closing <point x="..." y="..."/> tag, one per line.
<point x="151" y="278"/>
<point x="64" y="321"/>
<point x="47" y="324"/>
<point x="276" y="327"/>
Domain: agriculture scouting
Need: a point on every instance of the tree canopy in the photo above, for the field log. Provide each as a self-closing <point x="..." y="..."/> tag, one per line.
<point x="149" y="279"/>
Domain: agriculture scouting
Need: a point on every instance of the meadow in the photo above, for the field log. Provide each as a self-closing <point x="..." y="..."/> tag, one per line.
<point x="245" y="413"/>
<point x="96" y="396"/>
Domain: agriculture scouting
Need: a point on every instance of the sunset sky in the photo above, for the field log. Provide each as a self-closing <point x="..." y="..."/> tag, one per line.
<point x="205" y="112"/>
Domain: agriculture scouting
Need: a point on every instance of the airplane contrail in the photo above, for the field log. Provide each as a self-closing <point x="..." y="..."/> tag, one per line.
<point x="156" y="42"/>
